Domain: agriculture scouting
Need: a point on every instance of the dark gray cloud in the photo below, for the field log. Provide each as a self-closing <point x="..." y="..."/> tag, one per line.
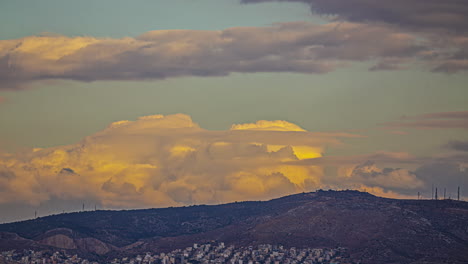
<point x="388" y="65"/>
<point x="443" y="22"/>
<point x="457" y="119"/>
<point x="448" y="175"/>
<point x="458" y="145"/>
<point x="446" y="15"/>
<point x="67" y="170"/>
<point x="441" y="115"/>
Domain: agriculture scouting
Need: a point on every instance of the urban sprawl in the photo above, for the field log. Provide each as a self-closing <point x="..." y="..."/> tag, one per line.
<point x="204" y="253"/>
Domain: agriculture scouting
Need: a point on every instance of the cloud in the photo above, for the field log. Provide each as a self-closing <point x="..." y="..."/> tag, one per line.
<point x="159" y="161"/>
<point x="389" y="65"/>
<point x="168" y="160"/>
<point x="458" y="145"/>
<point x="441" y="115"/>
<point x="440" y="120"/>
<point x="379" y="157"/>
<point x="376" y="173"/>
<point x="365" y="173"/>
<point x="286" y="47"/>
<point x="442" y="23"/>
<point x="445" y="174"/>
<point x="446" y="15"/>
<point x="398" y="132"/>
<point x="405" y="35"/>
<point x="369" y="177"/>
<point x="369" y="174"/>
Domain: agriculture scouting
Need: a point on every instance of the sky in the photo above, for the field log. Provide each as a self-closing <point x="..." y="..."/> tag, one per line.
<point x="152" y="103"/>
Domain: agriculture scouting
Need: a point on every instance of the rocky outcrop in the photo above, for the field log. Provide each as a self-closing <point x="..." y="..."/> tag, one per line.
<point x="59" y="241"/>
<point x="93" y="245"/>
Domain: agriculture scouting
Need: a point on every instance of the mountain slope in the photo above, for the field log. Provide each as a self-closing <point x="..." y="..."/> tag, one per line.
<point x="376" y="230"/>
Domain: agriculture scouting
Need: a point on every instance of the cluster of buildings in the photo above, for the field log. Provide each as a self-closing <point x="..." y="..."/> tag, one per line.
<point x="40" y="257"/>
<point x="203" y="254"/>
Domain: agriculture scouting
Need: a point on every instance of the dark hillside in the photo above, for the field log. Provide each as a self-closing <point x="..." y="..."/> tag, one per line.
<point x="376" y="230"/>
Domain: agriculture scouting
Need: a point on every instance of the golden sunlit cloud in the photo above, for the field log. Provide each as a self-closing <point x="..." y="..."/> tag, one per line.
<point x="168" y="160"/>
<point x="158" y="161"/>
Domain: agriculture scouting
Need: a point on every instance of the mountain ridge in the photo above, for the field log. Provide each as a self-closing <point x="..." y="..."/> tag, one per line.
<point x="375" y="229"/>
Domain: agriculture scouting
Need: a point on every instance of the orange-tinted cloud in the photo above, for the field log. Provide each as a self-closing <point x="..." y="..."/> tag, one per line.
<point x="168" y="160"/>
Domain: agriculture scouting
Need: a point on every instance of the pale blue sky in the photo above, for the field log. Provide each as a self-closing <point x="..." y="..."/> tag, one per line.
<point x="120" y="18"/>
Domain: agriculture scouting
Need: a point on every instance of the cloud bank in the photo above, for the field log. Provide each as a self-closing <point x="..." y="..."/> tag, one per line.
<point x="381" y="173"/>
<point x="458" y="145"/>
<point x="443" y="23"/>
<point x="168" y="160"/>
<point x="159" y="161"/>
<point x="441" y="120"/>
<point x="286" y="47"/>
<point x="447" y="15"/>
